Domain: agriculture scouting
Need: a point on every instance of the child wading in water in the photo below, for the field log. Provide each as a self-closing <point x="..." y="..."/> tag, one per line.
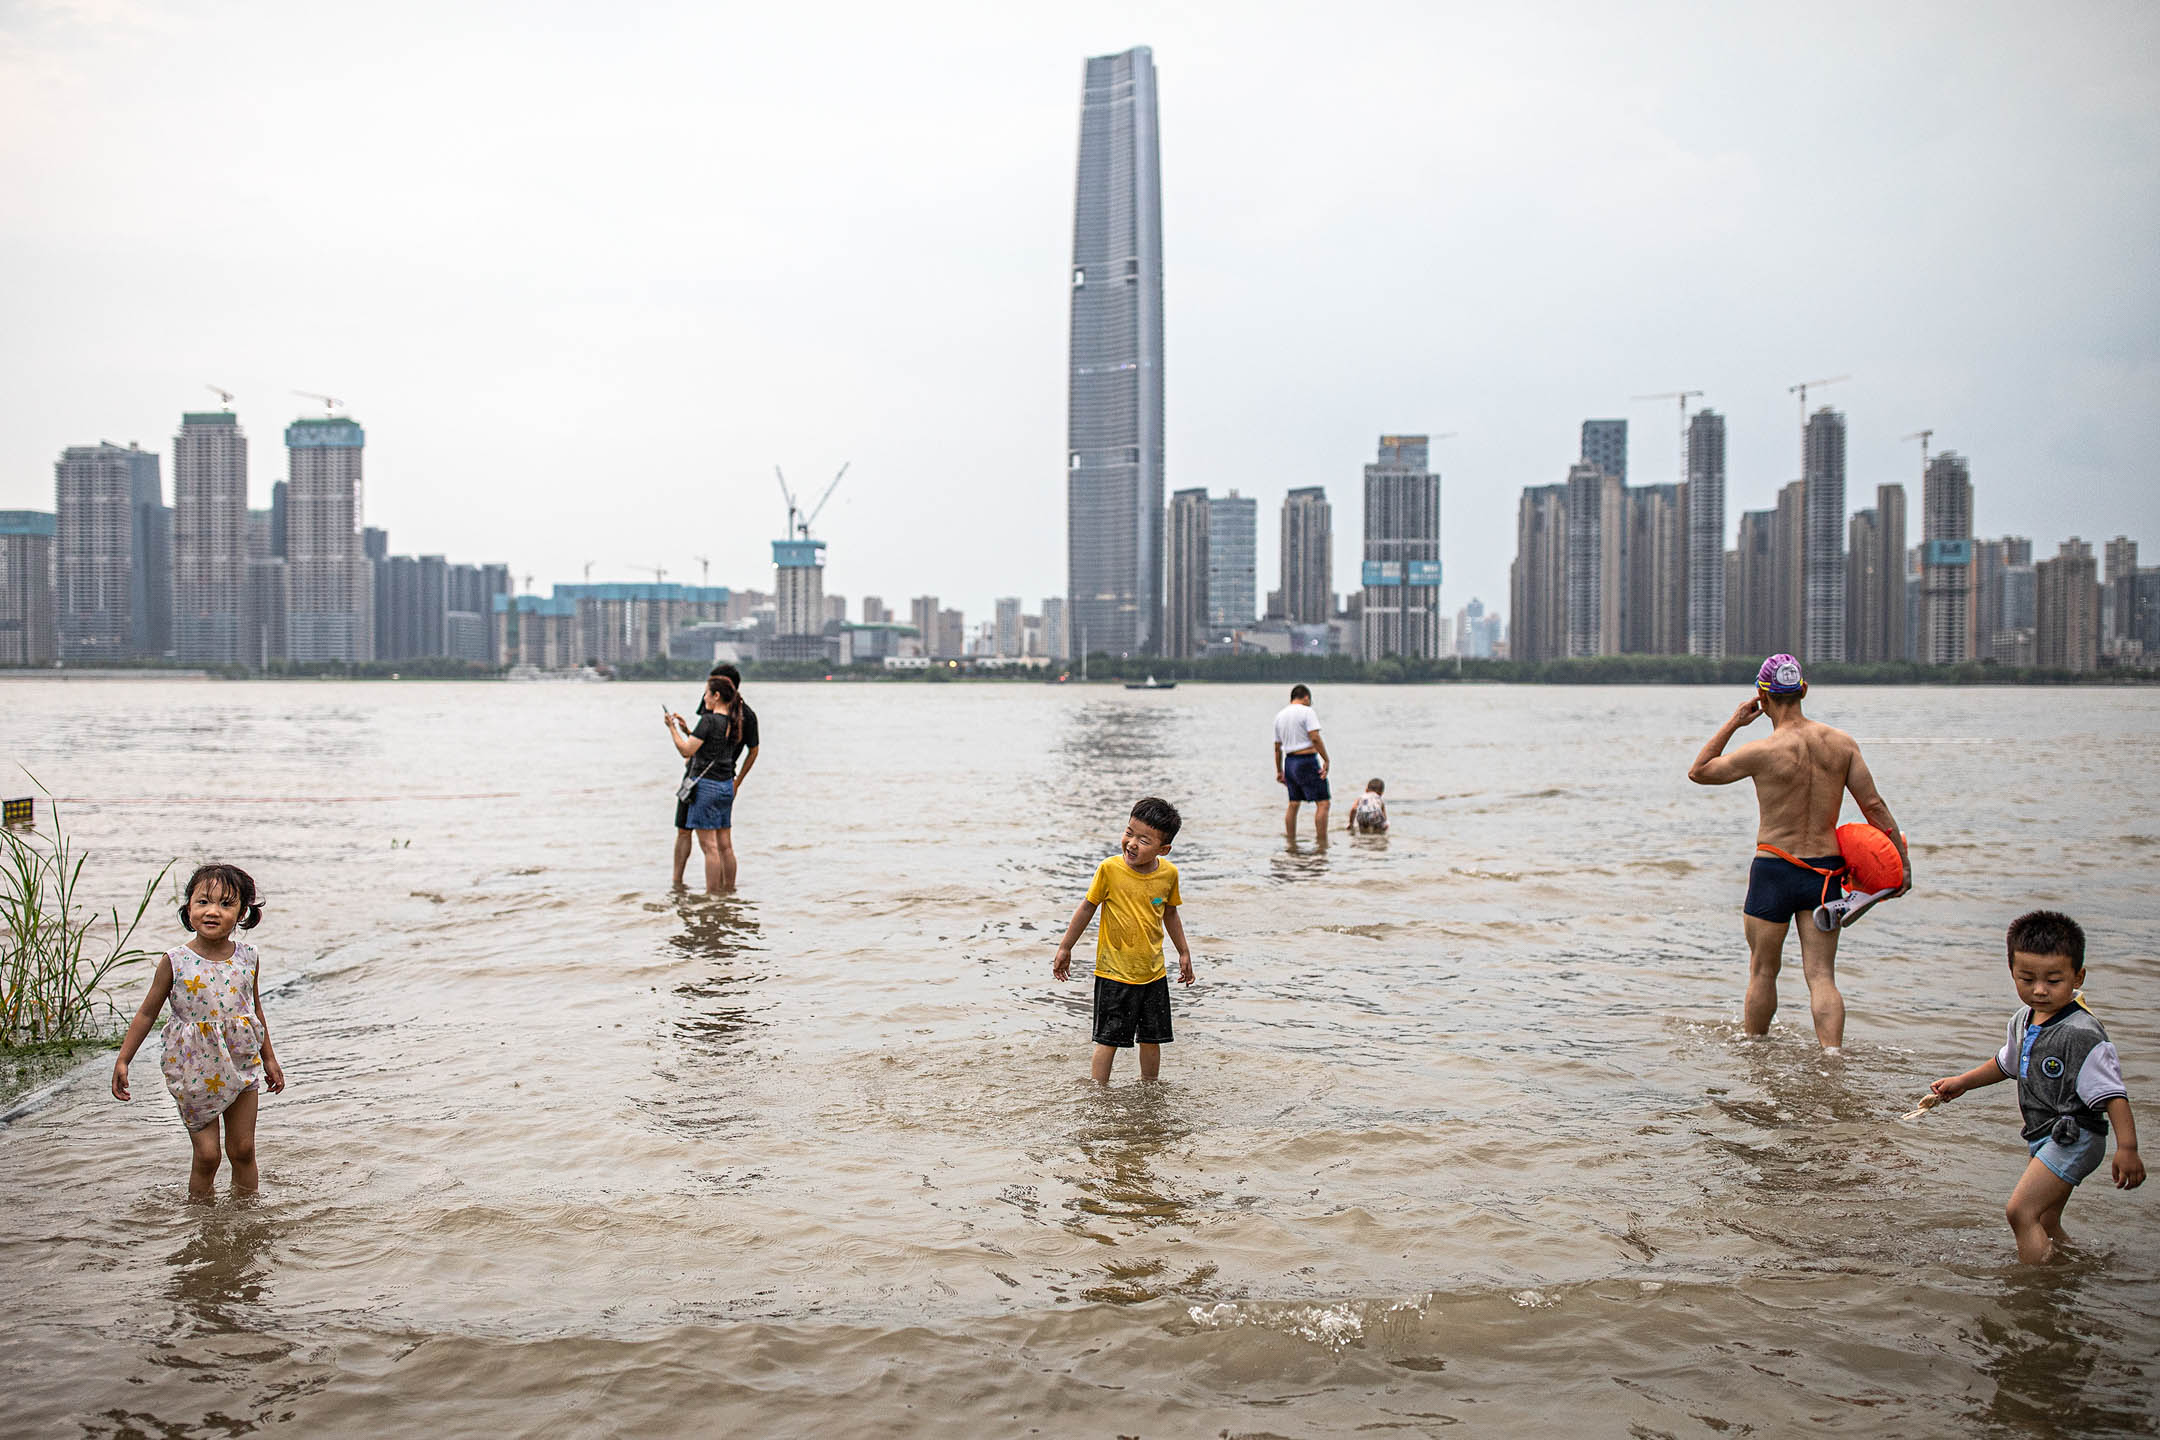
<point x="1369" y="815"/>
<point x="1138" y="891"/>
<point x="217" y="1044"/>
<point x="2069" y="1078"/>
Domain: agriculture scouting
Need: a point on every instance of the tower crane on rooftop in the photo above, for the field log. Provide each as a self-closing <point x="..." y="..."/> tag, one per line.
<point x="331" y="404"/>
<point x="1804" y="386"/>
<point x="659" y="572"/>
<point x="1683" y="396"/>
<point x="704" y="563"/>
<point x="798" y="522"/>
<point x="222" y="393"/>
<point x="1923" y="436"/>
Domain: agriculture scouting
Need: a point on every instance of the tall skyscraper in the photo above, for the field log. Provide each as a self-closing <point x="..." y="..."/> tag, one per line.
<point x="210" y="540"/>
<point x="1401" y="572"/>
<point x="1604" y="444"/>
<point x="1185" y="609"/>
<point x="1114" y="419"/>
<point x="1233" y="562"/>
<point x="1788" y="571"/>
<point x="1057" y="634"/>
<point x="1596" y="540"/>
<point x="1823" y="562"/>
<point x="951" y="635"/>
<point x="1706" y="534"/>
<point x="1946" y="503"/>
<point x="1008" y="626"/>
<point x="923" y="615"/>
<point x="1308" y="557"/>
<point x="1751" y="603"/>
<point x="1875" y="579"/>
<point x="2067" y="635"/>
<point x="1654" y="598"/>
<point x="105" y="553"/>
<point x="875" y="611"/>
<point x="2118" y="597"/>
<point x="279" y="493"/>
<point x="1537" y="582"/>
<point x="28" y="634"/>
<point x="331" y="584"/>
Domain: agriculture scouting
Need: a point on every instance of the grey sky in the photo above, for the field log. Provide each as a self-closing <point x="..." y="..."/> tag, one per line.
<point x="585" y="273"/>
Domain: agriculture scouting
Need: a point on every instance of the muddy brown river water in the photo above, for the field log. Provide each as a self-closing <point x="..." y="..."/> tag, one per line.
<point x="1458" y="1135"/>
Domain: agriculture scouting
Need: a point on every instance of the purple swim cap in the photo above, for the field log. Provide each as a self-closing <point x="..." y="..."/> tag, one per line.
<point x="1780" y="675"/>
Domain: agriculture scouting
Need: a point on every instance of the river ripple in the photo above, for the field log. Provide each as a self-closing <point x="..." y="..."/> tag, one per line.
<point x="1458" y="1131"/>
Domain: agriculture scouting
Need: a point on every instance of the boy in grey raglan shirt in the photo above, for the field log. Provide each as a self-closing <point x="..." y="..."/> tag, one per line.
<point x="2070" y="1084"/>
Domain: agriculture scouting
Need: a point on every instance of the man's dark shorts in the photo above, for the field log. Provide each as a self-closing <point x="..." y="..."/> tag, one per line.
<point x="1125" y="1013"/>
<point x="1777" y="889"/>
<point x="1302" y="778"/>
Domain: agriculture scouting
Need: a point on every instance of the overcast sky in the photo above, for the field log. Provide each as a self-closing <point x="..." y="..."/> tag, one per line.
<point x="586" y="272"/>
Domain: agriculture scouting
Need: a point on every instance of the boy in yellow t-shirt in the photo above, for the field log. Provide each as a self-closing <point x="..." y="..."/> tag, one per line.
<point x="1138" y="891"/>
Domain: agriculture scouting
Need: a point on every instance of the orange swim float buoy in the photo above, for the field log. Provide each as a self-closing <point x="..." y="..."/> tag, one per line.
<point x="1871" y="858"/>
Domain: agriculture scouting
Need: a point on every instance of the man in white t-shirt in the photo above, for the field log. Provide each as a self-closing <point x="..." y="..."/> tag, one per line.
<point x="1301" y="762"/>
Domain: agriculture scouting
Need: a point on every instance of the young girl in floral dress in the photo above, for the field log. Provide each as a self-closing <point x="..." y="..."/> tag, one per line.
<point x="217" y="1044"/>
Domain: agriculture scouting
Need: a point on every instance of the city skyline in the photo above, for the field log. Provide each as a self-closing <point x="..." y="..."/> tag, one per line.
<point x="558" y="352"/>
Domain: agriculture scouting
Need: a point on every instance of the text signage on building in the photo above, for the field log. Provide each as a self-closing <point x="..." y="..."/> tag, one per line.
<point x="1424" y="572"/>
<point x="1383" y="572"/>
<point x="1947" y="552"/>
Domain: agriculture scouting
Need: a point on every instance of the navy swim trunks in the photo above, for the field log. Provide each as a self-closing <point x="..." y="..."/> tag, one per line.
<point x="1777" y="889"/>
<point x="1125" y="1013"/>
<point x="1302" y="778"/>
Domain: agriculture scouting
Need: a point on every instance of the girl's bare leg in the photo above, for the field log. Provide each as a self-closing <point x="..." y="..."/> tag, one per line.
<point x="203" y="1163"/>
<point x="715" y="871"/>
<point x="240" y="1142"/>
<point x="727" y="858"/>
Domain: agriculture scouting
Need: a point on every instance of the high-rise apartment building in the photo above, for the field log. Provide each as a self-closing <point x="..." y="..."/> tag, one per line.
<point x="1537" y="581"/>
<point x="28" y="634"/>
<point x="1751" y="598"/>
<point x="1823" y="555"/>
<point x="1185" y="603"/>
<point x="1401" y="571"/>
<point x="1706" y="534"/>
<point x="923" y="615"/>
<point x="875" y="611"/>
<point x="280" y="493"/>
<point x="1788" y="570"/>
<point x="1596" y="545"/>
<point x="1009" y="631"/>
<point x="1114" y="418"/>
<point x="1057" y="634"/>
<point x="210" y="540"/>
<point x="1604" y="444"/>
<point x="331" y="609"/>
<point x="798" y="588"/>
<point x="2066" y="635"/>
<point x="111" y="554"/>
<point x="1875" y="579"/>
<point x="951" y="635"/>
<point x="1654" y="597"/>
<point x="1233" y="562"/>
<point x="2118" y="598"/>
<point x="1308" y="557"/>
<point x="1946" y="505"/>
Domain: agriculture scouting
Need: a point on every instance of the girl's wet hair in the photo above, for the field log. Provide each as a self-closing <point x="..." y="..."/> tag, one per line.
<point x="231" y="879"/>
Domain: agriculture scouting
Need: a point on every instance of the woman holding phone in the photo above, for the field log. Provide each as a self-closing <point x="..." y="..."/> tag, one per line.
<point x="709" y="749"/>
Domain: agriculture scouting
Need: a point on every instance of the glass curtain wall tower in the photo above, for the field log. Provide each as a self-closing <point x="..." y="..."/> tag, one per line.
<point x="1114" y="418"/>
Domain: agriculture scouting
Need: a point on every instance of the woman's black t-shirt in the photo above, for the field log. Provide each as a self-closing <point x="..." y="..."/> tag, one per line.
<point x="715" y="758"/>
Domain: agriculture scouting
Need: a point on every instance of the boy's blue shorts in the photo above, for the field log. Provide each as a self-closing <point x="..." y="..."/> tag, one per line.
<point x="2071" y="1163"/>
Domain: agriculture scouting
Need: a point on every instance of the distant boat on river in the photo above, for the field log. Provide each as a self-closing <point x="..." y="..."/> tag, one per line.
<point x="1151" y="683"/>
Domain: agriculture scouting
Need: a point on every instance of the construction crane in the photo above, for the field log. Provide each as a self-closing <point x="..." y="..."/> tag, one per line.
<point x="588" y="572"/>
<point x="1923" y="436"/>
<point x="1683" y="396"/>
<point x="1804" y="386"/>
<point x="659" y="572"/>
<point x="528" y="584"/>
<point x="331" y="404"/>
<point x="222" y="393"/>
<point x="798" y="522"/>
<point x="704" y="565"/>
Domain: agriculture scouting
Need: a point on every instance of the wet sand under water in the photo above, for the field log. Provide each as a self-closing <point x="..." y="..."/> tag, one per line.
<point x="1458" y="1134"/>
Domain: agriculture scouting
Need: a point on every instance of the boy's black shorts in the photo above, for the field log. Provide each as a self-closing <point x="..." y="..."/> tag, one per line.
<point x="1125" y="1013"/>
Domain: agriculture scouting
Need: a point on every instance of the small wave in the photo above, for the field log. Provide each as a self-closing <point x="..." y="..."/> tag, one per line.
<point x="1334" y="1326"/>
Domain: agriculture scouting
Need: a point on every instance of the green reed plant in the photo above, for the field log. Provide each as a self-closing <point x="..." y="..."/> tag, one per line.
<point x="53" y="969"/>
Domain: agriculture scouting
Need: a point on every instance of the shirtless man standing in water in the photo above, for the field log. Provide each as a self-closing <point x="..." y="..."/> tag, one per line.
<point x="1801" y="771"/>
